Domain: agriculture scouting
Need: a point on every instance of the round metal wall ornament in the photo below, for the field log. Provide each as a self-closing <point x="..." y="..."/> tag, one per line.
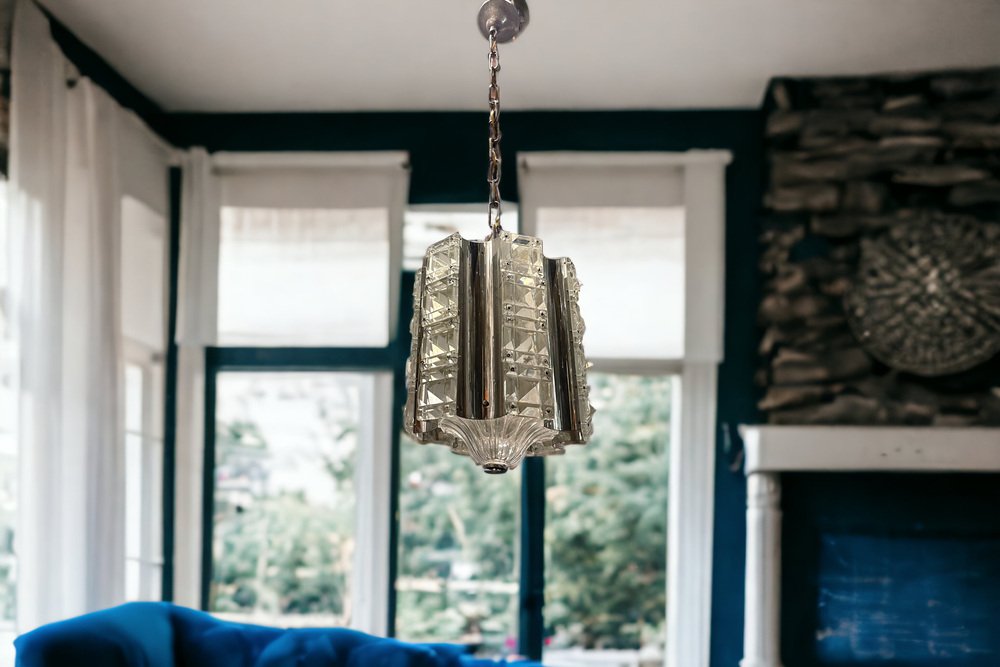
<point x="926" y="298"/>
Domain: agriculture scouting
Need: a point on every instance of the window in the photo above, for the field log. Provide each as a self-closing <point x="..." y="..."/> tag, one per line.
<point x="606" y="504"/>
<point x="309" y="249"/>
<point x="143" y="289"/>
<point x="286" y="495"/>
<point x="300" y="384"/>
<point x="305" y="386"/>
<point x="143" y="479"/>
<point x="606" y="530"/>
<point x="646" y="233"/>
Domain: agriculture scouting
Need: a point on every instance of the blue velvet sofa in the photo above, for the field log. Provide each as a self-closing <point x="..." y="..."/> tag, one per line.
<point x="158" y="634"/>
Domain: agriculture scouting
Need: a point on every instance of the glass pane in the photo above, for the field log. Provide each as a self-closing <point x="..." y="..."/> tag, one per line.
<point x="457" y="579"/>
<point x="283" y="534"/>
<point x="133" y="580"/>
<point x="133" y="495"/>
<point x="606" y="530"/>
<point x="425" y="226"/>
<point x="152" y="514"/>
<point x="143" y="263"/>
<point x="133" y="398"/>
<point x="631" y="264"/>
<point x="304" y="277"/>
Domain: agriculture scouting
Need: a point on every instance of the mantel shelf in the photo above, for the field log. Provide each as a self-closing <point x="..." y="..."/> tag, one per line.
<point x="772" y="450"/>
<point x="870" y="449"/>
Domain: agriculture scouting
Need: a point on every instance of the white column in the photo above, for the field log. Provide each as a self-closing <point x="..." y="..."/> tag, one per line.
<point x="690" y="518"/>
<point x="370" y="578"/>
<point x="762" y="617"/>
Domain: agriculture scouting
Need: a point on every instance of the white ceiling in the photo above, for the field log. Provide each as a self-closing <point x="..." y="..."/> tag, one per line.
<point x="318" y="55"/>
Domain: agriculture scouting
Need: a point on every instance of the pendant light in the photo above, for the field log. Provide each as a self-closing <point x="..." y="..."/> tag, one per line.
<point x="497" y="370"/>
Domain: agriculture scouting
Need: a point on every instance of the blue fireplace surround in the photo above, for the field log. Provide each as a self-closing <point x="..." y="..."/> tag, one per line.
<point x="891" y="570"/>
<point x="159" y="634"/>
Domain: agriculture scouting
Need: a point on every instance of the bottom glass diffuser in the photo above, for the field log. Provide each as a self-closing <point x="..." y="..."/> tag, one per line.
<point x="497" y="445"/>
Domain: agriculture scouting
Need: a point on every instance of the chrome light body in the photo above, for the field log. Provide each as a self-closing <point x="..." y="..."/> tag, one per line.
<point x="497" y="369"/>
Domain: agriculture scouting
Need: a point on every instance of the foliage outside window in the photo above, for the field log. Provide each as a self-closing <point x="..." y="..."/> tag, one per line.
<point x="605" y="534"/>
<point x="284" y="534"/>
<point x="457" y="578"/>
<point x="606" y="526"/>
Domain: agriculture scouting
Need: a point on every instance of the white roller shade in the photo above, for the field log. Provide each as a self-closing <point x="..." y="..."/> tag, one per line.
<point x="313" y="181"/>
<point x="620" y="218"/>
<point x="310" y="248"/>
<point x="599" y="180"/>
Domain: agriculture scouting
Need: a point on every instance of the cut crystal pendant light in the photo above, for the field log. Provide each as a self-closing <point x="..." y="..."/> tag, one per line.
<point x="497" y="370"/>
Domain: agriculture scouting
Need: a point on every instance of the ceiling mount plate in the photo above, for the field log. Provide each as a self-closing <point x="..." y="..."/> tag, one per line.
<point x="509" y="17"/>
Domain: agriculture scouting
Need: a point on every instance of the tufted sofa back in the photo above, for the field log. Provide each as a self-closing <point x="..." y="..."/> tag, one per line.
<point x="159" y="634"/>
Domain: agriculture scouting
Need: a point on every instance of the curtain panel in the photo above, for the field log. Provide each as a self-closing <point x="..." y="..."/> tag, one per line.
<point x="66" y="188"/>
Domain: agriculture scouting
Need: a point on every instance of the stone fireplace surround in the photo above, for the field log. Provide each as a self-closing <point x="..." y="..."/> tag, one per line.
<point x="848" y="160"/>
<point x="774" y="450"/>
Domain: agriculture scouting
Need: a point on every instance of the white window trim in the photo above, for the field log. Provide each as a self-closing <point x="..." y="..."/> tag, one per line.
<point x="372" y="481"/>
<point x="692" y="455"/>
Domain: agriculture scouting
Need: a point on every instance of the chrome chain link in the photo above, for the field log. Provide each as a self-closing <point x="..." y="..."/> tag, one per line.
<point x="493" y="172"/>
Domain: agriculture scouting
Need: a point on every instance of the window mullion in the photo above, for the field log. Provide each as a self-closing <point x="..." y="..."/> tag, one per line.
<point x="532" y="588"/>
<point x="208" y="478"/>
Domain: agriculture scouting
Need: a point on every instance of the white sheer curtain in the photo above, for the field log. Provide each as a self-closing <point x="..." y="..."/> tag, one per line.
<point x="65" y="256"/>
<point x="196" y="329"/>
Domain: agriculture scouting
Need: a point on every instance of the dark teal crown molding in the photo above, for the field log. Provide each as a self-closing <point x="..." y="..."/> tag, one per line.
<point x="91" y="65"/>
<point x="447" y="149"/>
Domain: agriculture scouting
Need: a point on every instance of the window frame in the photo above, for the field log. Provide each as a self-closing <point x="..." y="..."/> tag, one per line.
<point x="379" y="617"/>
<point x="375" y="614"/>
<point x="691" y="495"/>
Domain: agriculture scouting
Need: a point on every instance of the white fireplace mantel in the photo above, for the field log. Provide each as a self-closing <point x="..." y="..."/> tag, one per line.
<point x="772" y="450"/>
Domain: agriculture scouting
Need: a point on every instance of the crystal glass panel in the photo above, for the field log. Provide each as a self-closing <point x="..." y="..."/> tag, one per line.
<point x="312" y="277"/>
<point x="438" y="313"/>
<point x="524" y="329"/>
<point x="632" y="263"/>
<point x="606" y="531"/>
<point x="284" y="514"/>
<point x="458" y="561"/>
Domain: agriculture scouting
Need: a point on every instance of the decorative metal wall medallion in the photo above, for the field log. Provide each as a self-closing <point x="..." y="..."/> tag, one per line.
<point x="926" y="298"/>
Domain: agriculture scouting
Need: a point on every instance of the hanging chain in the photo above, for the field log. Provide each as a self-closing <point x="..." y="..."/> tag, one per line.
<point x="493" y="172"/>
